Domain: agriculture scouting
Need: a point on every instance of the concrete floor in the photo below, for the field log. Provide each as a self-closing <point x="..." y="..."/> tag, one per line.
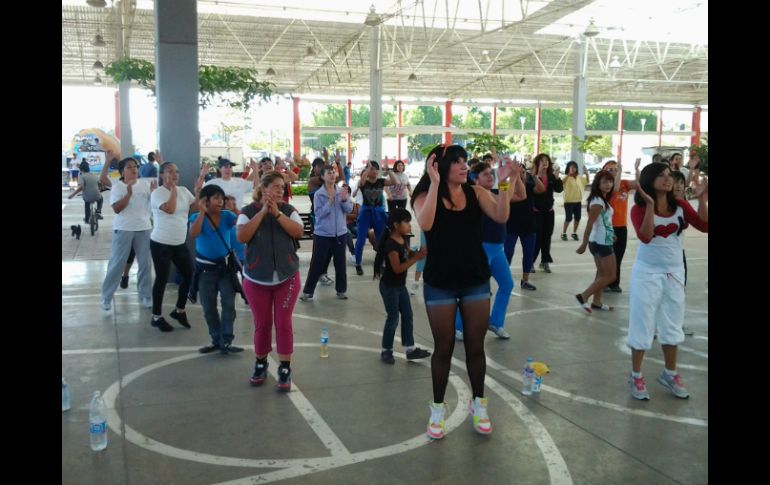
<point x="177" y="416"/>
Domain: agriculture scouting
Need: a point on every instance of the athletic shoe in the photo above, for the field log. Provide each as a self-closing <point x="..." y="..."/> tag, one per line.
<point x="673" y="384"/>
<point x="638" y="388"/>
<point x="500" y="332"/>
<point x="436" y="423"/>
<point x="478" y="410"/>
<point x="260" y="373"/>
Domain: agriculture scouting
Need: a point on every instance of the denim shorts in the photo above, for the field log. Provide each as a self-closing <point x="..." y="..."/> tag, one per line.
<point x="600" y="250"/>
<point x="439" y="296"/>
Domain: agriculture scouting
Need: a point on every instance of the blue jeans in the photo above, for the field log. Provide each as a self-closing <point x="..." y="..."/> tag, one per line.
<point x="502" y="275"/>
<point x="396" y="300"/>
<point x="369" y="217"/>
<point x="210" y="284"/>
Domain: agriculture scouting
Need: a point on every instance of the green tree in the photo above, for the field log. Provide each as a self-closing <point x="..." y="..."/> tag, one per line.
<point x="602" y="119"/>
<point x="510" y="117"/>
<point x="632" y="120"/>
<point x="422" y="116"/>
<point x="556" y="119"/>
<point x="599" y="146"/>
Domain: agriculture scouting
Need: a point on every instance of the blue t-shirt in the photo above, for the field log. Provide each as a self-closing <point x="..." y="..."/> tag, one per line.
<point x="238" y="247"/>
<point x="208" y="245"/>
<point x="148" y="170"/>
<point x="346" y="170"/>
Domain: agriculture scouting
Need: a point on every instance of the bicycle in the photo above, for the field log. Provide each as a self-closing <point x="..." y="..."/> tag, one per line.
<point x="93" y="219"/>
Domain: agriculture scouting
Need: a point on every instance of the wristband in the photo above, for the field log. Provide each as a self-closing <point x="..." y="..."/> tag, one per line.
<point x="504" y="186"/>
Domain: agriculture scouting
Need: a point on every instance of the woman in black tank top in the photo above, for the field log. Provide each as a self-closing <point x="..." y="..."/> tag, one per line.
<point x="456" y="273"/>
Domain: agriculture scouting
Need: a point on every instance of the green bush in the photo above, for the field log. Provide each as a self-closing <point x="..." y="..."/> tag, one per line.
<point x="303" y="173"/>
<point x="299" y="189"/>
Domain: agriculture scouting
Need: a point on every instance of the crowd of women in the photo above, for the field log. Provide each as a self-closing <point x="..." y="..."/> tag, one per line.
<point x="470" y="215"/>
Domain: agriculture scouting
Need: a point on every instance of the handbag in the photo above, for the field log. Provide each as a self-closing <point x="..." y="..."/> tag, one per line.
<point x="234" y="267"/>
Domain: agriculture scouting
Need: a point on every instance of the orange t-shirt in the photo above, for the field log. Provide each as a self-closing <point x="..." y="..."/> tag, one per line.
<point x="619" y="203"/>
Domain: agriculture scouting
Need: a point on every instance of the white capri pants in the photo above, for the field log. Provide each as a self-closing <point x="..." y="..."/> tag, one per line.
<point x="656" y="301"/>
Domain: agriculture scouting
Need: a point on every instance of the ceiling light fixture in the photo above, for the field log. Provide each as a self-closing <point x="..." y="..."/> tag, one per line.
<point x="592" y="30"/>
<point x="98" y="41"/>
<point x="98" y="81"/>
<point x="485" y="57"/>
<point x="615" y="63"/>
<point x="372" y="19"/>
<point x="96" y="3"/>
<point x="309" y="51"/>
<point x="270" y="72"/>
<point x="522" y="81"/>
<point x="98" y="66"/>
<point x="413" y="77"/>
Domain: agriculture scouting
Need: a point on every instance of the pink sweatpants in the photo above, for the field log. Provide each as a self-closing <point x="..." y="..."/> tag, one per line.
<point x="273" y="304"/>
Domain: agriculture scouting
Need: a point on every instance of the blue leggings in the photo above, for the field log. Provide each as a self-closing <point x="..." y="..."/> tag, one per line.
<point x="502" y="275"/>
<point x="369" y="217"/>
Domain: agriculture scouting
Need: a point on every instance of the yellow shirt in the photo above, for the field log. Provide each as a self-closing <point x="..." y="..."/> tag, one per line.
<point x="573" y="188"/>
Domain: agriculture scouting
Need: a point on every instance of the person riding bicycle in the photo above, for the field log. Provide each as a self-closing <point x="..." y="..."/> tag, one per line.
<point x="88" y="183"/>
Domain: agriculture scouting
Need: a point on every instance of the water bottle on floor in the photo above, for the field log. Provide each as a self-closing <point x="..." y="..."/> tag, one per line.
<point x="65" y="395"/>
<point x="324" y="342"/>
<point x="97" y="421"/>
<point x="528" y="378"/>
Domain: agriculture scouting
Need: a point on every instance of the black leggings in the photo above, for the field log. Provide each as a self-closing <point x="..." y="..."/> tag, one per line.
<point x="621" y="234"/>
<point x="544" y="224"/>
<point x="475" y="317"/>
<point x="162" y="256"/>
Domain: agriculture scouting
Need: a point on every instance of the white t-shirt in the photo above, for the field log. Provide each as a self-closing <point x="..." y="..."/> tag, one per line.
<point x="168" y="228"/>
<point x="136" y="215"/>
<point x="236" y="187"/>
<point x="602" y="231"/>
<point x="243" y="219"/>
<point x="398" y="191"/>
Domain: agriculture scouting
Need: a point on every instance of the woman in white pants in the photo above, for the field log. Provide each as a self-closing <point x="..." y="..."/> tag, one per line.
<point x="130" y="199"/>
<point x="657" y="278"/>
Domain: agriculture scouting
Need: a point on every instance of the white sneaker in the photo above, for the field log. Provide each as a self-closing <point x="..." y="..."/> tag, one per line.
<point x="481" y="422"/>
<point x="413" y="289"/>
<point x="352" y="258"/>
<point x="500" y="332"/>
<point x="106" y="306"/>
<point x="325" y="280"/>
<point x="436" y="423"/>
<point x="306" y="297"/>
<point x="147" y="302"/>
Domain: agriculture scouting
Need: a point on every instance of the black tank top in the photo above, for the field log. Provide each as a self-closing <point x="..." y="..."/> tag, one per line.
<point x="456" y="258"/>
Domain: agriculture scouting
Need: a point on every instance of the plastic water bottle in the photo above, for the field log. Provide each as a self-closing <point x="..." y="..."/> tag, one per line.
<point x="97" y="421"/>
<point x="536" y="384"/>
<point x="324" y="342"/>
<point x="528" y="378"/>
<point x="65" y="395"/>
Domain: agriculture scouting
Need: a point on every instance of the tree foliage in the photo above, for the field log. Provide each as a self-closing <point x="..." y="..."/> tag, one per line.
<point x="231" y="86"/>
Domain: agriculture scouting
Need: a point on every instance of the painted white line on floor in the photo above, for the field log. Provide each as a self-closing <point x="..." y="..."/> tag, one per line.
<point x="612" y="406"/>
<point x="557" y="468"/>
<point x="623" y="347"/>
<point x="300" y="466"/>
<point x="313" y="418"/>
<point x="317" y="465"/>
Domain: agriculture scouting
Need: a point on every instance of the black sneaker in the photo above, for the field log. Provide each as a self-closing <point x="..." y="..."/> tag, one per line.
<point x="284" y="379"/>
<point x="387" y="357"/>
<point x="526" y="285"/>
<point x="162" y="325"/>
<point x="74" y="229"/>
<point x="230" y="349"/>
<point x="564" y="237"/>
<point x="124" y="281"/>
<point x="417" y="353"/>
<point x="546" y="267"/>
<point x="359" y="270"/>
<point x="575" y="237"/>
<point x="78" y="232"/>
<point x="615" y="289"/>
<point x="180" y="317"/>
<point x="192" y="297"/>
<point x="260" y="373"/>
<point x="99" y="215"/>
<point x="207" y="349"/>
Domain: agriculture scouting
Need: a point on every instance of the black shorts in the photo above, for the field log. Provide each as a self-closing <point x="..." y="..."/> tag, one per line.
<point x="600" y="250"/>
<point x="572" y="209"/>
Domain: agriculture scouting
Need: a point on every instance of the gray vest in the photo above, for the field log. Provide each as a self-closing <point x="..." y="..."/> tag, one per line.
<point x="271" y="248"/>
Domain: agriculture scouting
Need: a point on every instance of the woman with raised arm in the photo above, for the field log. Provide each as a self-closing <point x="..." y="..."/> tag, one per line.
<point x="456" y="274"/>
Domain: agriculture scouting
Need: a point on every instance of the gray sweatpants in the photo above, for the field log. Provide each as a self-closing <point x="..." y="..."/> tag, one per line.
<point x="122" y="241"/>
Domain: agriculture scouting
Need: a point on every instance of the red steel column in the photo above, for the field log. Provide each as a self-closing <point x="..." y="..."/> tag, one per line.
<point x="537" y="123"/>
<point x="620" y="129"/>
<point x="494" y="120"/>
<point x="695" y="139"/>
<point x="398" y="137"/>
<point x="350" y="124"/>
<point x="660" y="127"/>
<point x="448" y="122"/>
<point x="297" y="139"/>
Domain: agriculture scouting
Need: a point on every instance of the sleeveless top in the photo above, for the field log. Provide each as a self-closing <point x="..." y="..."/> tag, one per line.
<point x="456" y="258"/>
